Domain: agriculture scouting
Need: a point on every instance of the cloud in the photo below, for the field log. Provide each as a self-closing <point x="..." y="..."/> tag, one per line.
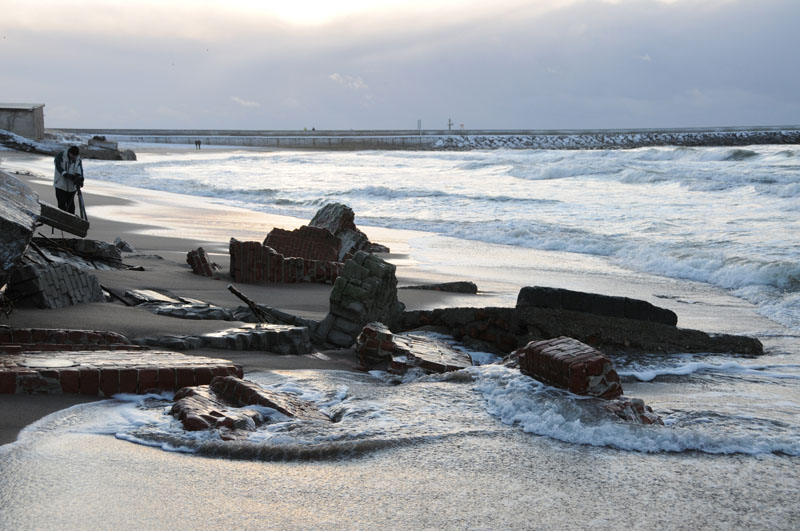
<point x="355" y="83"/>
<point x="646" y="58"/>
<point x="245" y="103"/>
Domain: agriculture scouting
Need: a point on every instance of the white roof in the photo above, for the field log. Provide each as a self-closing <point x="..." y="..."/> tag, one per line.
<point x="21" y="106"/>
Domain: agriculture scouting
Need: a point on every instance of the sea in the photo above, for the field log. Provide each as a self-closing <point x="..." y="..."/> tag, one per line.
<point x="712" y="233"/>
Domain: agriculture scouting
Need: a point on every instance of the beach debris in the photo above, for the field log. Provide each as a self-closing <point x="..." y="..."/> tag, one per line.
<point x="80" y="252"/>
<point x="606" y="305"/>
<point x="200" y="263"/>
<point x="261" y="315"/>
<point x="365" y="291"/>
<point x="123" y="246"/>
<point x="223" y="404"/>
<point x="377" y="348"/>
<point x="63" y="220"/>
<point x="19" y="213"/>
<point x="105" y="371"/>
<point x="339" y="219"/>
<point x="569" y="364"/>
<point x="632" y="410"/>
<point x="450" y="287"/>
<point x="255" y="263"/>
<point x="53" y="286"/>
<point x="503" y="330"/>
<point x="313" y="243"/>
<point x="19" y="340"/>
<point x="169" y="304"/>
<point x="275" y="338"/>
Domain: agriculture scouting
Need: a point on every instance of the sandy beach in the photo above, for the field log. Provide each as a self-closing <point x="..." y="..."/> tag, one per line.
<point x="163" y="227"/>
<point x="481" y="448"/>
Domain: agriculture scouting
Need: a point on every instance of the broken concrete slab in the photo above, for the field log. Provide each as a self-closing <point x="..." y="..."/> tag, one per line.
<point x="219" y="406"/>
<point x="108" y="372"/>
<point x="280" y="339"/>
<point x="63" y="220"/>
<point x="378" y="348"/>
<point x="505" y="329"/>
<point x="594" y="303"/>
<point x="19" y="213"/>
<point x="450" y="287"/>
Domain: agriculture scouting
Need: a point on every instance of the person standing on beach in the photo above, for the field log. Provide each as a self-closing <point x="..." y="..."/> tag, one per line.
<point x="68" y="178"/>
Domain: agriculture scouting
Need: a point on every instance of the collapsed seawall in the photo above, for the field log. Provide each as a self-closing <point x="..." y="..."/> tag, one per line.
<point x="459" y="140"/>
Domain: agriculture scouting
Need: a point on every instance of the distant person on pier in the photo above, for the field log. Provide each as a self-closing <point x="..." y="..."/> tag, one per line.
<point x="68" y="178"/>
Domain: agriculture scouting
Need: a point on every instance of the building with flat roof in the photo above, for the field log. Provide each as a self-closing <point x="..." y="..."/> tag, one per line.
<point x="24" y="119"/>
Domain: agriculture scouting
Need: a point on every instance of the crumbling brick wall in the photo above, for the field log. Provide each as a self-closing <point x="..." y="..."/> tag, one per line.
<point x="255" y="263"/>
<point x="313" y="243"/>
<point x="53" y="286"/>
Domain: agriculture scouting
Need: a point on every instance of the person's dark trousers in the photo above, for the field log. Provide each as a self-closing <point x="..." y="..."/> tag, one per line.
<point x="66" y="200"/>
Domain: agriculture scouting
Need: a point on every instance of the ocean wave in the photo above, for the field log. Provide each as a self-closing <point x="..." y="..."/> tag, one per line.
<point x="765" y="371"/>
<point x="545" y="411"/>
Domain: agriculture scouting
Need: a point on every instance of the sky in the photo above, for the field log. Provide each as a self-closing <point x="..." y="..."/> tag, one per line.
<point x="372" y="64"/>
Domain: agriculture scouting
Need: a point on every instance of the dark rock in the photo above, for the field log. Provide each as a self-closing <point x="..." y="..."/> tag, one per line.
<point x="242" y="392"/>
<point x="610" y="306"/>
<point x="632" y="410"/>
<point x="569" y="364"/>
<point x="505" y="329"/>
<point x="216" y="406"/>
<point x="340" y="220"/>
<point x="452" y="287"/>
<point x="377" y="347"/>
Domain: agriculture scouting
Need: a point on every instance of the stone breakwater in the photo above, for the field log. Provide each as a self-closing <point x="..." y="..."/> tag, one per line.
<point x="630" y="140"/>
<point x="461" y="139"/>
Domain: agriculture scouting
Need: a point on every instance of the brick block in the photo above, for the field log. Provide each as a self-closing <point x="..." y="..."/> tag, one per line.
<point x="570" y="364"/>
<point x="69" y="380"/>
<point x="128" y="380"/>
<point x="22" y="335"/>
<point x="89" y="381"/>
<point x="109" y="381"/>
<point x="148" y="380"/>
<point x="166" y="378"/>
<point x="184" y="377"/>
<point x="203" y="375"/>
<point x="8" y="382"/>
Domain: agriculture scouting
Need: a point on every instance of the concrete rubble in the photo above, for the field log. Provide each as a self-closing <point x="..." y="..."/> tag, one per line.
<point x="280" y="339"/>
<point x="572" y="365"/>
<point x="621" y="325"/>
<point x="200" y="263"/>
<point x="449" y="287"/>
<point x="377" y="348"/>
<point x="311" y="253"/>
<point x="222" y="405"/>
<point x="365" y="292"/>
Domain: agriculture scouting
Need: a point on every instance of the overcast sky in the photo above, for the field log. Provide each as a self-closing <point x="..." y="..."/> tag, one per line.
<point x="357" y="64"/>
